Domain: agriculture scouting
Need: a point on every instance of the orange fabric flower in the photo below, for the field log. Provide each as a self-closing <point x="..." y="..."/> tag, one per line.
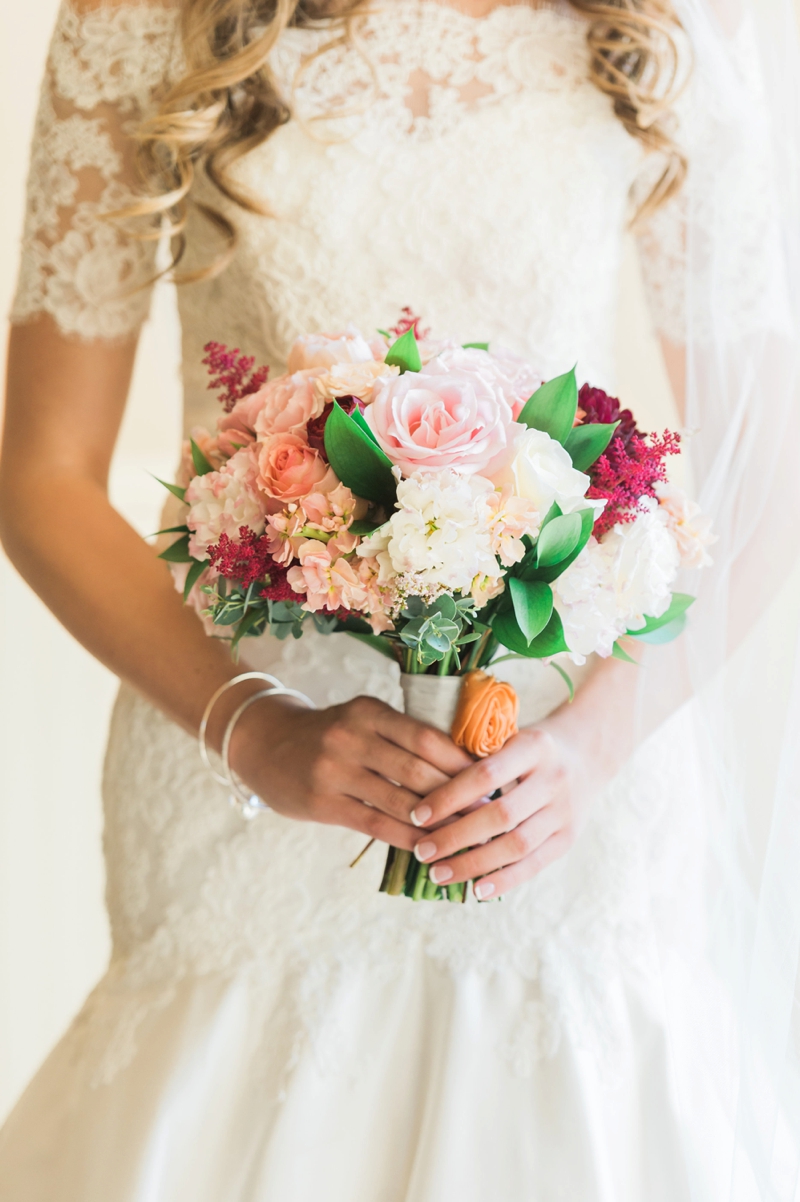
<point x="486" y="716"/>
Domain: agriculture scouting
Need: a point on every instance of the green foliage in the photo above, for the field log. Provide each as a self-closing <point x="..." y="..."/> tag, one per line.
<point x="477" y="346"/>
<point x="533" y="606"/>
<point x="664" y="634"/>
<point x="585" y="444"/>
<point x="177" y="552"/>
<point x="404" y="353"/>
<point x="180" y="493"/>
<point x="434" y="631"/>
<point x="192" y="576"/>
<point x="565" y="676"/>
<point x="363" y="424"/>
<point x="619" y="652"/>
<point x="201" y="465"/>
<point x="363" y="527"/>
<point x="677" y="609"/>
<point x="552" y="407"/>
<point x="357" y="460"/>
<point x="549" y="642"/>
<point x="530" y="569"/>
<point x="558" y="539"/>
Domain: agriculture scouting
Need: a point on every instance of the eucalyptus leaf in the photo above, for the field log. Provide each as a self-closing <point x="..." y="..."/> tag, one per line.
<point x="552" y="407"/>
<point x="533" y="605"/>
<point x="201" y="465"/>
<point x="248" y="623"/>
<point x="585" y="444"/>
<point x="558" y="539"/>
<point x="177" y="552"/>
<point x="404" y="353"/>
<point x="357" y="460"/>
<point x="192" y="576"/>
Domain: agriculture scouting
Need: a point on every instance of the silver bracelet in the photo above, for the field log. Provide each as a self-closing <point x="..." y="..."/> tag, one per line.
<point x="244" y="800"/>
<point x="214" y="698"/>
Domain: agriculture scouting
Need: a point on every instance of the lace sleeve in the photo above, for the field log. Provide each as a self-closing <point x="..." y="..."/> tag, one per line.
<point x="710" y="262"/>
<point x="104" y="70"/>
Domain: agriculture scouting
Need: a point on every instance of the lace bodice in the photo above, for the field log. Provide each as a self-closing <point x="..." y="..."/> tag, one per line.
<point x="466" y="167"/>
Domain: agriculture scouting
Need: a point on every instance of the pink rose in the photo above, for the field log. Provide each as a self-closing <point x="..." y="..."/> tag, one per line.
<point x="436" y="420"/>
<point x="238" y="428"/>
<point x="290" y="469"/>
<point x="288" y="403"/>
<point x="516" y="379"/>
<point x="323" y="350"/>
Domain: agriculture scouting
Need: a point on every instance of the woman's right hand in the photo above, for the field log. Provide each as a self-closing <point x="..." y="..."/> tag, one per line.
<point x="360" y="765"/>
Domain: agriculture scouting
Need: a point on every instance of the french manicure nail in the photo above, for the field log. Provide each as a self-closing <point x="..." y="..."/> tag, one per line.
<point x="425" y="851"/>
<point x="440" y="874"/>
<point x="483" y="889"/>
<point x="420" y="815"/>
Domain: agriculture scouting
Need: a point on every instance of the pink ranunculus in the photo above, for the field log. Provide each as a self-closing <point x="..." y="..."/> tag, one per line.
<point x="238" y="428"/>
<point x="290" y="469"/>
<point x="514" y="377"/>
<point x="288" y="403"/>
<point x="323" y="350"/>
<point x="432" y="421"/>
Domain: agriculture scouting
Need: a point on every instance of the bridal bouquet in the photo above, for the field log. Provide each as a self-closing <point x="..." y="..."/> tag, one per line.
<point x="443" y="504"/>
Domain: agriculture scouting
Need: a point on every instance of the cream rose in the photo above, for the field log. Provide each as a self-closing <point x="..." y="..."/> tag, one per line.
<point x="324" y="350"/>
<point x="539" y="469"/>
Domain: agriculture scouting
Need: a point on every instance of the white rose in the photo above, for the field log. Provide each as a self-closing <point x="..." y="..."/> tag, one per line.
<point x="538" y="468"/>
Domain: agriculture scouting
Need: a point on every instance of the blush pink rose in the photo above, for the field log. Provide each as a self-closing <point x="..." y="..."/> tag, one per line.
<point x="432" y="421"/>
<point x="514" y="377"/>
<point x="287" y="404"/>
<point x="238" y="428"/>
<point x="324" y="350"/>
<point x="290" y="469"/>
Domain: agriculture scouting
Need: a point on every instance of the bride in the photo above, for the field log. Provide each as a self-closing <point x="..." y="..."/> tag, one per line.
<point x="271" y="1026"/>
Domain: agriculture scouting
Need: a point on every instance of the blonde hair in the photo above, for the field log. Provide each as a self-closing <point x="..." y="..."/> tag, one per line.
<point x="227" y="101"/>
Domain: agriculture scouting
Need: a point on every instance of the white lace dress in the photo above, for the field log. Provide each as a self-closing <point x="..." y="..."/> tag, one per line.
<point x="271" y="1027"/>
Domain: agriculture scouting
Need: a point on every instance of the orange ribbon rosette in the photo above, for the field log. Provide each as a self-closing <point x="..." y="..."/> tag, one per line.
<point x="486" y="715"/>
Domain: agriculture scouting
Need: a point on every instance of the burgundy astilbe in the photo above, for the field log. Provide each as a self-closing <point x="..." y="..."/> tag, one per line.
<point x="246" y="560"/>
<point x="279" y="588"/>
<point x="232" y="374"/>
<point x="598" y="406"/>
<point x="626" y="473"/>
<point x="409" y="321"/>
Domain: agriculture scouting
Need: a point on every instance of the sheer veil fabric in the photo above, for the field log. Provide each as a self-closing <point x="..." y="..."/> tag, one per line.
<point x="719" y="709"/>
<point x="743" y="415"/>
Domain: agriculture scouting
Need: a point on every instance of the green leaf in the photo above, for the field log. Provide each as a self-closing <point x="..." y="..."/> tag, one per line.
<point x="533" y="605"/>
<point x="531" y="571"/>
<point x="677" y="608"/>
<point x="552" y="407"/>
<point x="664" y="634"/>
<point x="250" y="619"/>
<point x="385" y="333"/>
<point x="585" y="444"/>
<point x="549" y="642"/>
<point x="192" y="576"/>
<point x="477" y="346"/>
<point x="404" y="353"/>
<point x="373" y="640"/>
<point x="558" y="539"/>
<point x="364" y="527"/>
<point x="180" y="493"/>
<point x="618" y="652"/>
<point x="565" y="676"/>
<point x="357" y="461"/>
<point x="177" y="552"/>
<point x="363" y="424"/>
<point x="170" y="530"/>
<point x="201" y="464"/>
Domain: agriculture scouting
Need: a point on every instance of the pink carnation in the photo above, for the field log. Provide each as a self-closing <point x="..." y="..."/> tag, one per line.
<point x="222" y="502"/>
<point x="434" y="420"/>
<point x="290" y="469"/>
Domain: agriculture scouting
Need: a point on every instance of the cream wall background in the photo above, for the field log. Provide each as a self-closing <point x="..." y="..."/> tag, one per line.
<point x="54" y="699"/>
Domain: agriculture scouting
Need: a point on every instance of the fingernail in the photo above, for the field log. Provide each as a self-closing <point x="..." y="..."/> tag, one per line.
<point x="483" y="889"/>
<point x="420" y="815"/>
<point x="440" y="874"/>
<point x="425" y="851"/>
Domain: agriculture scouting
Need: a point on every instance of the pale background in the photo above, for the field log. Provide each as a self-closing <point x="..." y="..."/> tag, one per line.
<point x="54" y="699"/>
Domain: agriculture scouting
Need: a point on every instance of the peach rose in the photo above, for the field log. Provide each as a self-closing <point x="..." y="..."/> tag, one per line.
<point x="288" y="403"/>
<point x="486" y="716"/>
<point x="238" y="428"/>
<point x="288" y="469"/>
<point x="353" y="379"/>
<point x="323" y="350"/>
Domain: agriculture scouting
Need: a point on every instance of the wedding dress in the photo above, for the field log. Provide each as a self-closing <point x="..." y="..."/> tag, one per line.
<point x="270" y="1026"/>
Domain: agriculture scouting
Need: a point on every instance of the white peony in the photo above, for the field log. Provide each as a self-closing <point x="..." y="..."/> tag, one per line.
<point x="539" y="469"/>
<point x="221" y="502"/>
<point x="689" y="526"/>
<point x="439" y="533"/>
<point x="614" y="583"/>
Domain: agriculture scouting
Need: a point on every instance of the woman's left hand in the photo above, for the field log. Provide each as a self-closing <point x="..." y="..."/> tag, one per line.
<point x="515" y="836"/>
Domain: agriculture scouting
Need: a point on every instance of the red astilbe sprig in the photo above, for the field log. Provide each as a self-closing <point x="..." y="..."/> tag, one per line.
<point x="409" y="321"/>
<point x="626" y="473"/>
<point x="246" y="560"/>
<point x="232" y="374"/>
